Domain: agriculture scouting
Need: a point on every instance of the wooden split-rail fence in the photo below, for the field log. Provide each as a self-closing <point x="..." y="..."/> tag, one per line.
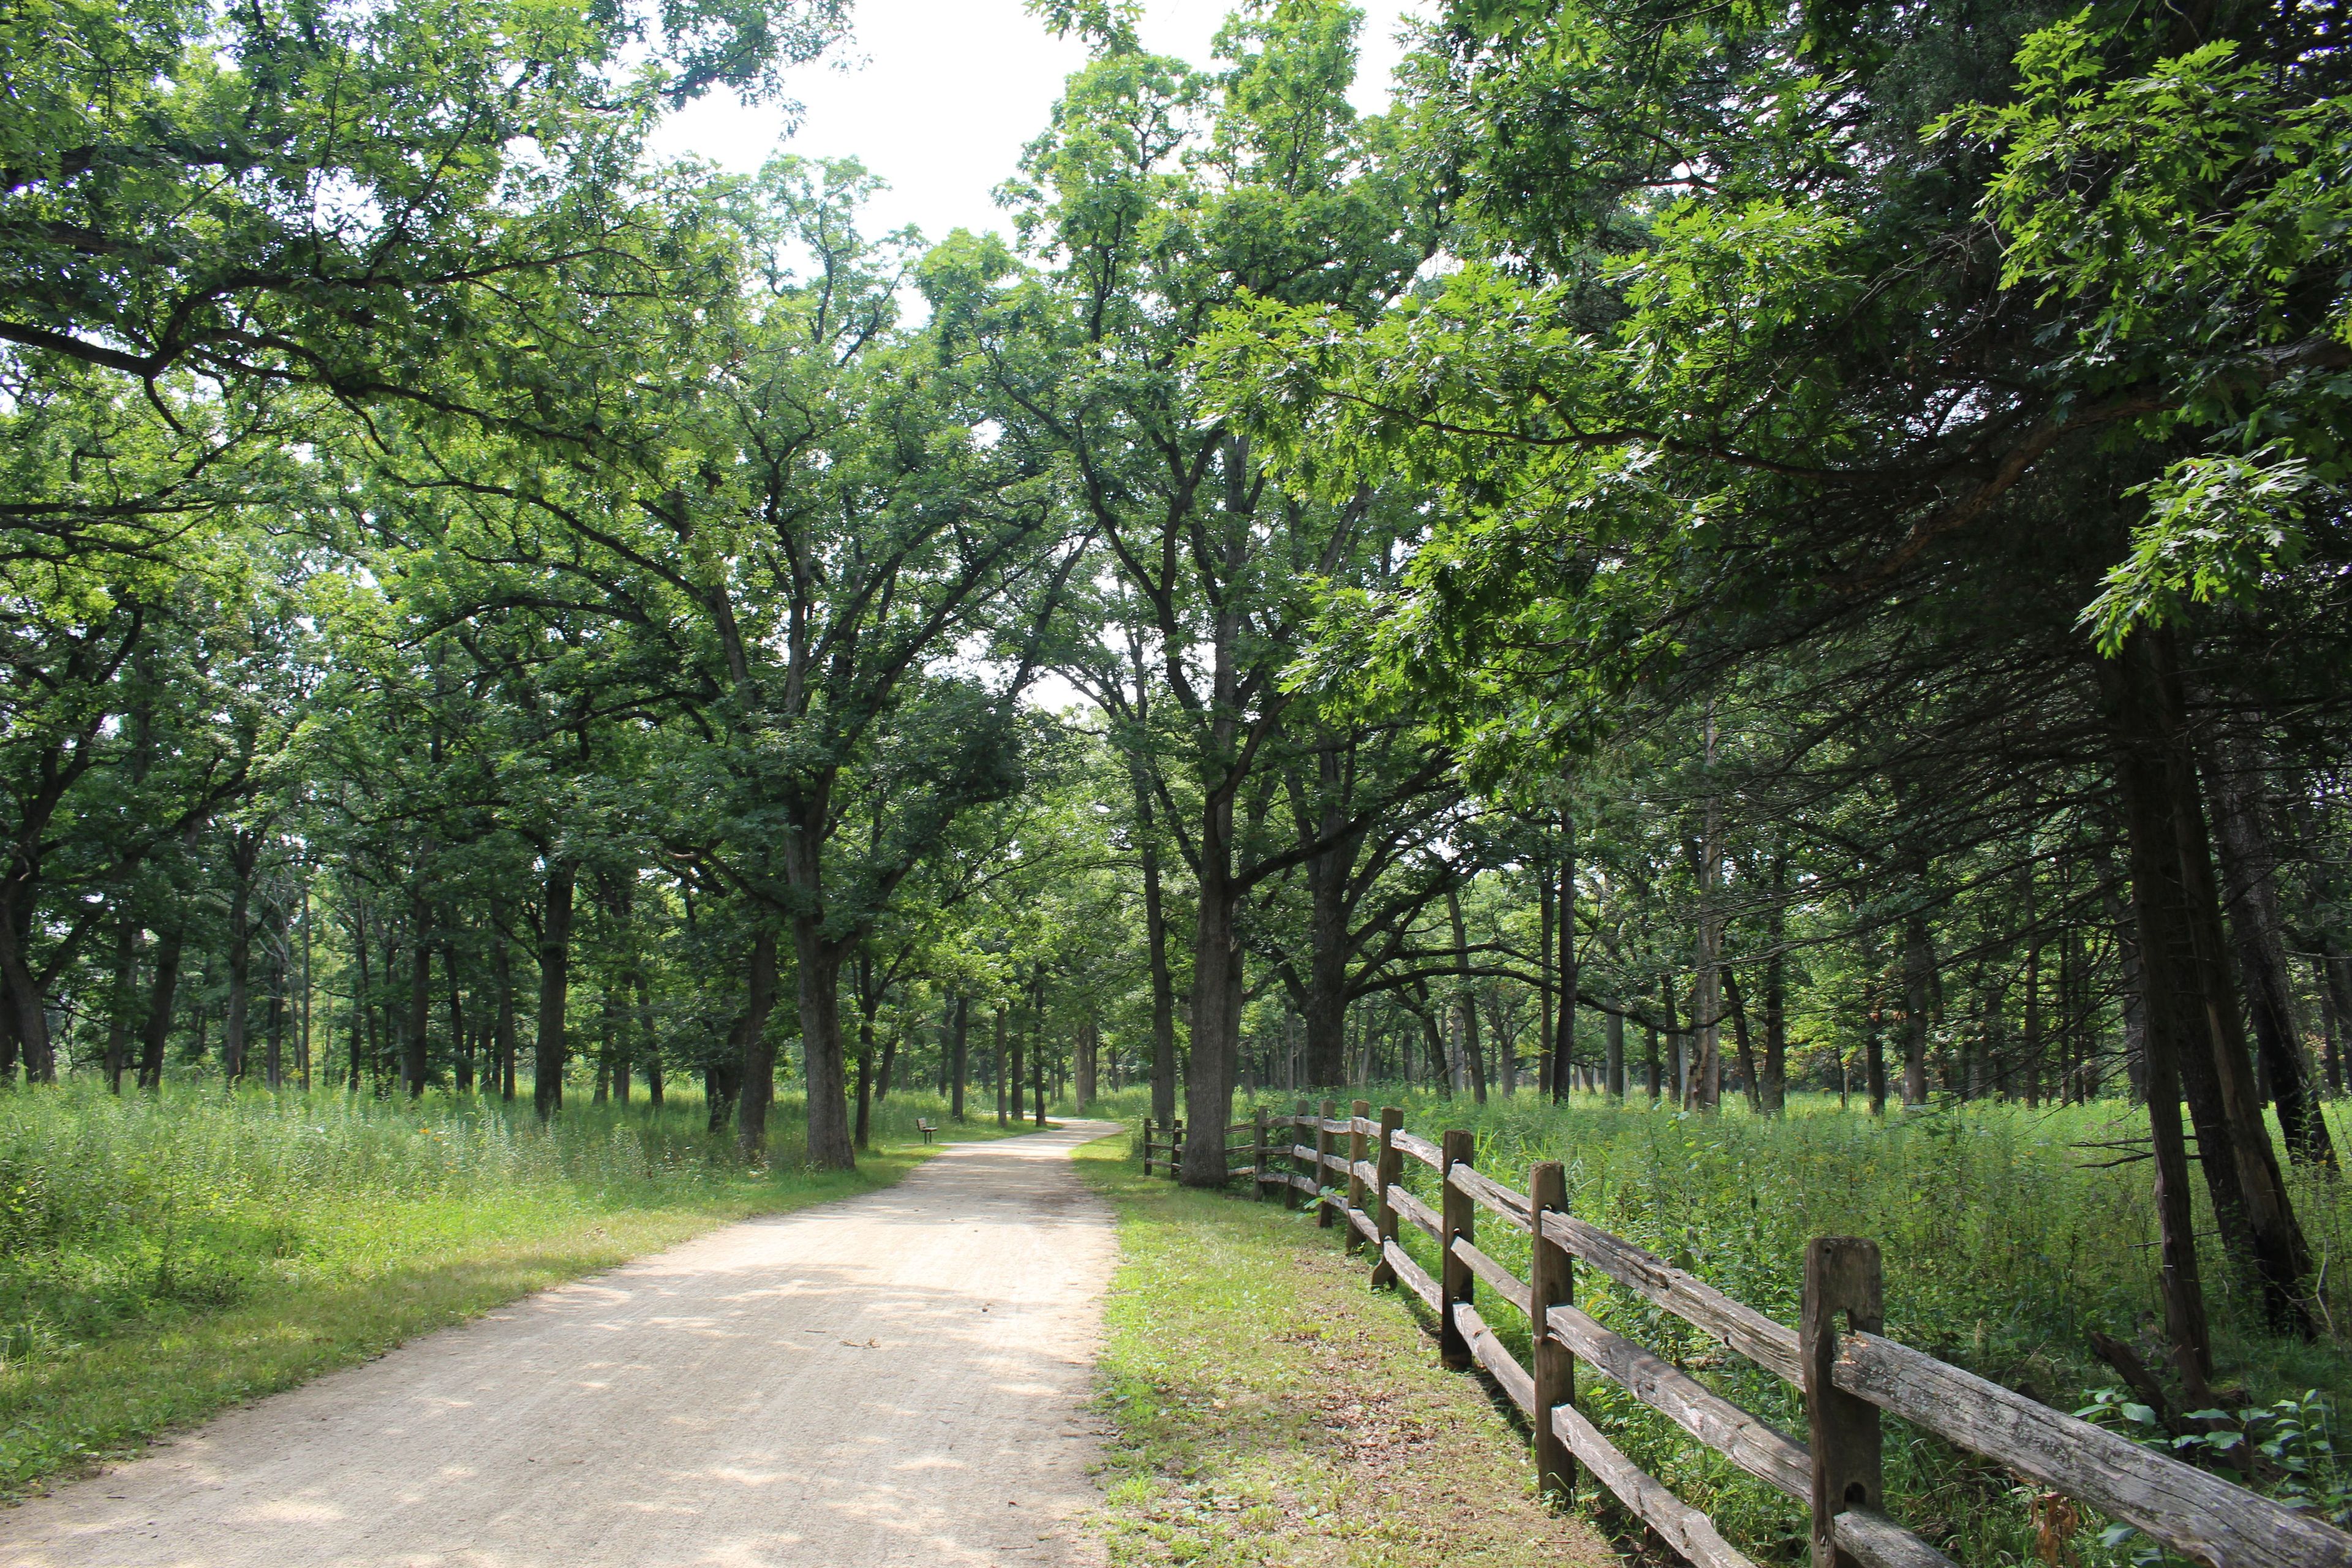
<point x="1351" y="1170"/>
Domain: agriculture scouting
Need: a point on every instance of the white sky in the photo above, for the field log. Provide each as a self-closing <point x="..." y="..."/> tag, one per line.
<point x="939" y="97"/>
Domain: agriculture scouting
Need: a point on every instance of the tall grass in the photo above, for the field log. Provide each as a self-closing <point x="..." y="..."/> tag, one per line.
<point x="2006" y="1233"/>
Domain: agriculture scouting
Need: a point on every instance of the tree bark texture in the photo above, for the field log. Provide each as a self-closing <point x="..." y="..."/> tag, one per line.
<point x="554" y="988"/>
<point x="2192" y="1014"/>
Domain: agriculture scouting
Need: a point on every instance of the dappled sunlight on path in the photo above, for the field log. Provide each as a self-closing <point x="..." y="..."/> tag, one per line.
<point x="893" y="1378"/>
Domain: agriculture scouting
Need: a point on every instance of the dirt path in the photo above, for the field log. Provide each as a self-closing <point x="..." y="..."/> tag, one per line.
<point x="897" y="1378"/>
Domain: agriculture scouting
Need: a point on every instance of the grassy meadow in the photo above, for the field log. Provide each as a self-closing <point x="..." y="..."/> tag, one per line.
<point x="160" y="1257"/>
<point x="2003" y="1241"/>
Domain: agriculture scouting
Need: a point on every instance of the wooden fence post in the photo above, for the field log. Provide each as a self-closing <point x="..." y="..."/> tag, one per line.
<point x="1456" y="1217"/>
<point x="1551" y="1277"/>
<point x="1385" y="1170"/>
<point x="1258" y="1159"/>
<point x="1322" y="1170"/>
<point x="1290" y="1189"/>
<point x="1357" y="1111"/>
<point x="1840" y="1275"/>
<point x="1147" y="1145"/>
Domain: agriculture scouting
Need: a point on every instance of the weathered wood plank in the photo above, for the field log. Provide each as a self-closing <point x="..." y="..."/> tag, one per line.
<point x="1336" y="1162"/>
<point x="1304" y="1183"/>
<point x="2187" y="1509"/>
<point x="1765" y="1452"/>
<point x="1364" y="1224"/>
<point x="1420" y="1147"/>
<point x="1410" y="1273"/>
<point x="1517" y="1381"/>
<point x="1367" y="1173"/>
<point x="1367" y="1126"/>
<point x="1769" y="1345"/>
<point x="1499" y="1279"/>
<point x="1508" y="1205"/>
<point x="1684" y="1527"/>
<point x="1875" y="1541"/>
<point x="1411" y="1207"/>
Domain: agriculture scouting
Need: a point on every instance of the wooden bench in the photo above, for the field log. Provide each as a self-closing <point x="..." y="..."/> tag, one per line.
<point x="925" y="1128"/>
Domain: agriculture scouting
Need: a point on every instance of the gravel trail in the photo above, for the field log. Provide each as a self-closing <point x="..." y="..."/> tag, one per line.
<point x="896" y="1378"/>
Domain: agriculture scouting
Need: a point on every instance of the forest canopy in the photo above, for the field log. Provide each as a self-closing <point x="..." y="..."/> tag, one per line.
<point x="1705" y="558"/>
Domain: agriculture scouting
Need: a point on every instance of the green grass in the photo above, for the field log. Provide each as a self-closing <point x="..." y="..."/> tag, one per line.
<point x="161" y="1257"/>
<point x="1267" y="1407"/>
<point x="2002" y="1247"/>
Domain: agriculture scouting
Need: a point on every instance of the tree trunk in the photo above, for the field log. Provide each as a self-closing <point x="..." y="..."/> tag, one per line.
<point x="462" y="1042"/>
<point x="866" y="1089"/>
<point x="1874" y="1044"/>
<point x="2192" y="1017"/>
<point x="1087" y="1044"/>
<point x="1773" y="1093"/>
<point x="1037" y="1059"/>
<point x="362" y="1000"/>
<point x="1613" y="1063"/>
<point x="1017" y="1081"/>
<point x="1918" y="980"/>
<point x="1163" y="991"/>
<point x="2250" y="897"/>
<point x="862" y="1131"/>
<point x="1570" y="971"/>
<point x="273" y="1059"/>
<point x="1546" y="1041"/>
<point x="1649" y="1050"/>
<point x="24" y="991"/>
<point x="962" y="1039"/>
<point x="2135" y="988"/>
<point x="1471" y="1059"/>
<point x="1441" y="1070"/>
<point x="1324" y="1006"/>
<point x="1216" y="1029"/>
<point x="608" y="1013"/>
<point x="1706" y="1091"/>
<point x="997" y="1072"/>
<point x="420" y="995"/>
<point x="751" y="1056"/>
<point x="155" y="1030"/>
<point x="240" y="953"/>
<point x="554" y="989"/>
<point x="1678" y="1066"/>
<point x="11" y="1047"/>
<point x="648" y="1043"/>
<point x="1737" y="1005"/>
<point x="121" y="1000"/>
<point x="502" y="979"/>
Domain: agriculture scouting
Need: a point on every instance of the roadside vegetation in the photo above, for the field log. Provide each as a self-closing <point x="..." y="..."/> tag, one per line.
<point x="160" y="1257"/>
<point x="1265" y="1408"/>
<point x="2008" y="1234"/>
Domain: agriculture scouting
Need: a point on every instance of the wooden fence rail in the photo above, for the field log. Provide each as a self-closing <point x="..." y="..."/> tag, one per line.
<point x="1350" y="1168"/>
